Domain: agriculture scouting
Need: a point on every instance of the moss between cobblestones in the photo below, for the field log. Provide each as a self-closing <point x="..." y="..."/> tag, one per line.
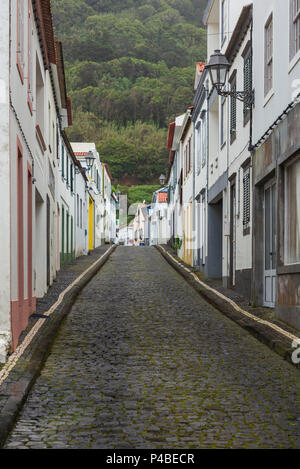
<point x="274" y="340"/>
<point x="22" y="377"/>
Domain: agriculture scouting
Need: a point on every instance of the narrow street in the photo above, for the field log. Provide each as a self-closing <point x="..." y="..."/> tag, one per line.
<point x="143" y="362"/>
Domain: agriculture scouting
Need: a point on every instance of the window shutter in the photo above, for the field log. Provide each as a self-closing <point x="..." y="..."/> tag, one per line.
<point x="204" y="133"/>
<point x="247" y="78"/>
<point x="246" y="198"/>
<point x="199" y="143"/>
<point x="233" y="111"/>
<point x="180" y="188"/>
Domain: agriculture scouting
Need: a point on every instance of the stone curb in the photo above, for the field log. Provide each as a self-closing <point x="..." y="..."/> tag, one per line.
<point x="18" y="384"/>
<point x="270" y="337"/>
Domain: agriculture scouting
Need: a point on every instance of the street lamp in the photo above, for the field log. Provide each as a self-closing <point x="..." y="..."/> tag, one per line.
<point x="89" y="159"/>
<point x="218" y="68"/>
<point x="162" y="179"/>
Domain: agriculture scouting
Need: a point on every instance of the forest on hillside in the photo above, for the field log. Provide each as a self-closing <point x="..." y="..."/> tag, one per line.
<point x="130" y="68"/>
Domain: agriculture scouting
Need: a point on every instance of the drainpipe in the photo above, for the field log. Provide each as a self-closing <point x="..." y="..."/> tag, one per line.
<point x="207" y="176"/>
<point x="251" y="107"/>
<point x="251" y="151"/>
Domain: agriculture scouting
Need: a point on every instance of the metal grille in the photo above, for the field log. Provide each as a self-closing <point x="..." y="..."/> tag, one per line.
<point x="247" y="79"/>
<point x="233" y="111"/>
<point x="246" y="198"/>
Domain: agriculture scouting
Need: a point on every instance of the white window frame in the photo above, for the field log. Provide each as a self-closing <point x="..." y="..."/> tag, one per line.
<point x="269" y="54"/>
<point x="223" y="128"/>
<point x="296" y="24"/>
<point x="199" y="147"/>
<point x="286" y="217"/>
<point x="223" y="21"/>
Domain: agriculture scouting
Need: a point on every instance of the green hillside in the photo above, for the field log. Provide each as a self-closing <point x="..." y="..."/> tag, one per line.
<point x="130" y="70"/>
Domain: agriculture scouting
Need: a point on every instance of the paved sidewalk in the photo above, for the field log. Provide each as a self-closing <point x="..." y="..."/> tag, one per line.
<point x="143" y="361"/>
<point x="22" y="368"/>
<point x="281" y="343"/>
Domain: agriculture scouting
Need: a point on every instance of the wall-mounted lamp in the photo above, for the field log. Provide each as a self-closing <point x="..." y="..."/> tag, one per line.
<point x="162" y="179"/>
<point x="218" y="68"/>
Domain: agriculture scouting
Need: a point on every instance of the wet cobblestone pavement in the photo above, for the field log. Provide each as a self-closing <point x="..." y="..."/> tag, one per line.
<point x="143" y="362"/>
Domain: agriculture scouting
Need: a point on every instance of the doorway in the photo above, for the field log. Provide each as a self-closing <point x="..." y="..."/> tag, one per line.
<point x="270" y="244"/>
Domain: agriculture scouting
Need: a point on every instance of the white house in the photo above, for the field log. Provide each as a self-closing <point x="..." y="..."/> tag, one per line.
<point x="94" y="174"/>
<point x="37" y="165"/>
<point x="229" y="202"/>
<point x="276" y="157"/>
<point x="175" y="180"/>
<point x="200" y="120"/>
<point x="31" y="115"/>
<point x="159" y="224"/>
<point x="141" y="227"/>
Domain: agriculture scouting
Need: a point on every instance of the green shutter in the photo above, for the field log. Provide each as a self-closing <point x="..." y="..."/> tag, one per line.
<point x="247" y="79"/>
<point x="233" y="112"/>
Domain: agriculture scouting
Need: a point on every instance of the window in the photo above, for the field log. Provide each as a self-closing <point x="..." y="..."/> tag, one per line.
<point x="57" y="142"/>
<point x="67" y="169"/>
<point x="294" y="27"/>
<point x="63" y="161"/>
<point x="269" y="55"/>
<point x="30" y="64"/>
<point x="51" y="181"/>
<point x="233" y="110"/>
<point x="53" y="136"/>
<point x="20" y="39"/>
<point x="204" y="143"/>
<point x="247" y="82"/>
<point x="49" y="127"/>
<point x="81" y="213"/>
<point x="223" y="22"/>
<point x="40" y="98"/>
<point x="246" y="200"/>
<point x="292" y="211"/>
<point x="203" y="228"/>
<point x="187" y="157"/>
<point x="72" y="177"/>
<point x="199" y="146"/>
<point x="77" y="210"/>
<point x="223" y="122"/>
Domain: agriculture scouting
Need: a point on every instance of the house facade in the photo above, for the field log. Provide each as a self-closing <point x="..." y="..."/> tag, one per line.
<point x="233" y="171"/>
<point x="45" y="190"/>
<point x="276" y="158"/>
<point x="141" y="225"/>
<point x="158" y="215"/>
<point x="30" y="107"/>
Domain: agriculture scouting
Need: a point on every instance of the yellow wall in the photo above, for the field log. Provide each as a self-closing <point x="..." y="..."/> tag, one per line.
<point x="91" y="224"/>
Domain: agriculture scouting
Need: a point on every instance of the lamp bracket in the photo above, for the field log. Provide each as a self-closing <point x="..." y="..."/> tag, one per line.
<point x="246" y="97"/>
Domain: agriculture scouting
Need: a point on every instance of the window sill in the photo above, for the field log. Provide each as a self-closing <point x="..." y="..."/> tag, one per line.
<point x="288" y="269"/>
<point x="40" y="138"/>
<point x="20" y="70"/>
<point x="30" y="107"/>
<point x="269" y="96"/>
<point x="232" y="138"/>
<point x="294" y="62"/>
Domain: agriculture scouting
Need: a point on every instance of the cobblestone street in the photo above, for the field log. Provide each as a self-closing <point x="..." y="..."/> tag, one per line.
<point x="143" y="362"/>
